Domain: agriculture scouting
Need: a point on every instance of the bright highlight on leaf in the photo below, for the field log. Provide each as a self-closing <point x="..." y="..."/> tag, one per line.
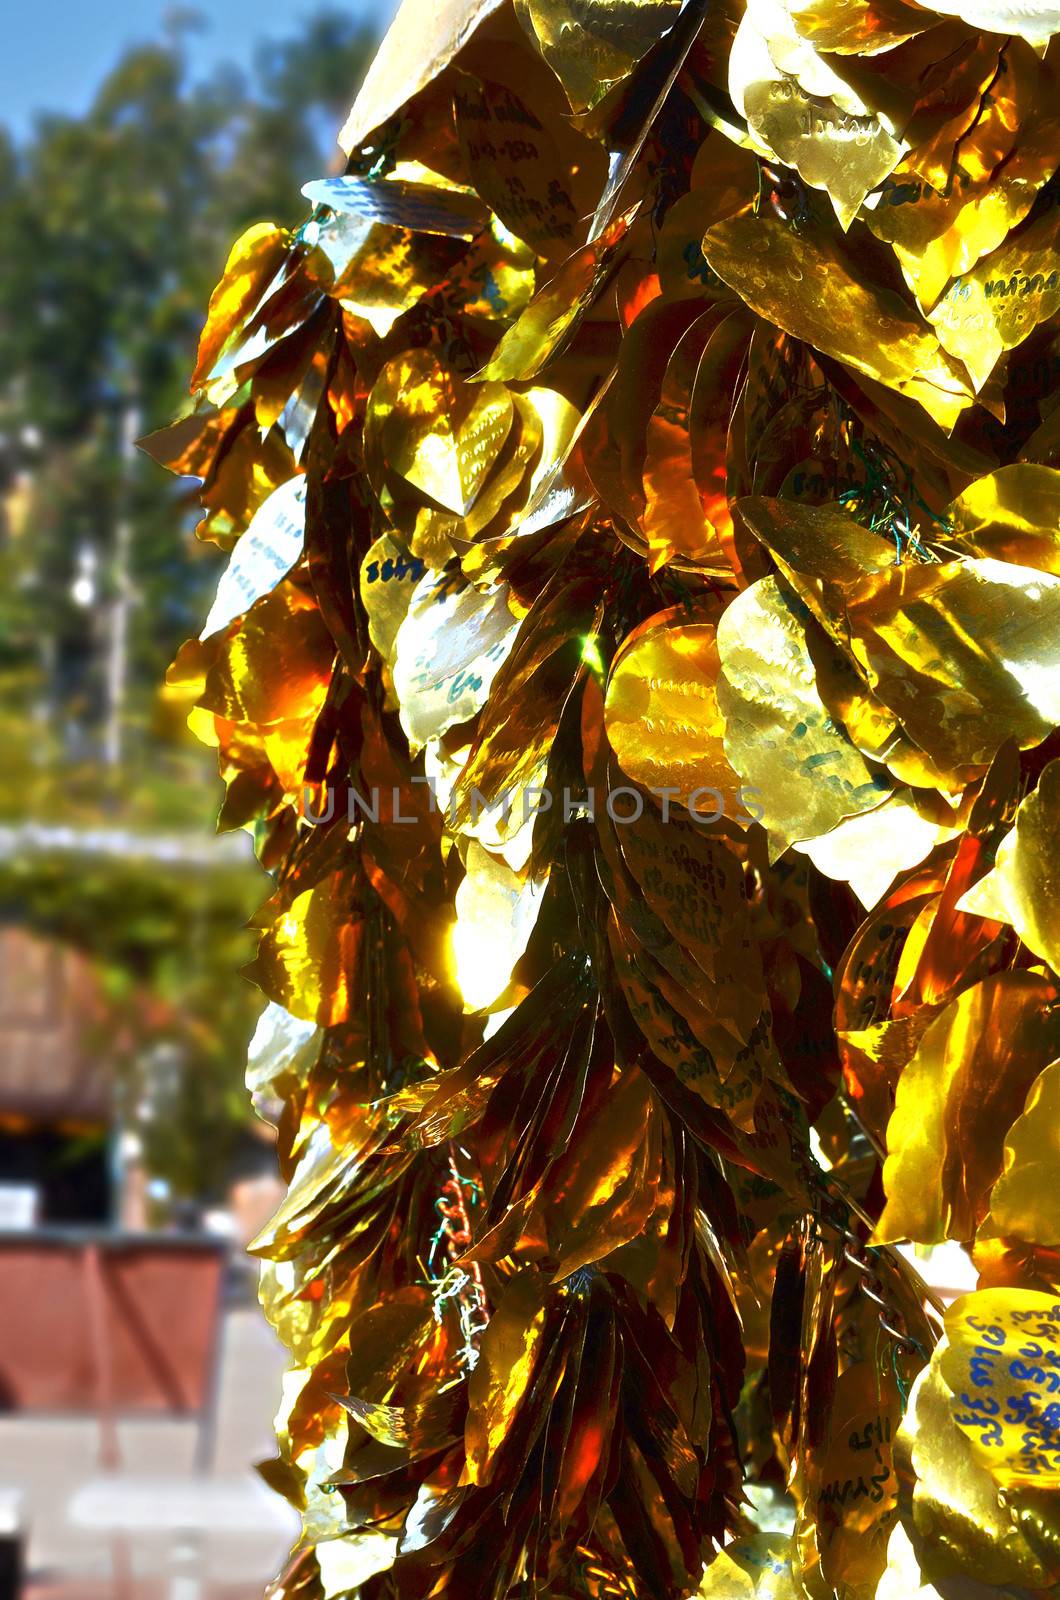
<point x="664" y="625"/>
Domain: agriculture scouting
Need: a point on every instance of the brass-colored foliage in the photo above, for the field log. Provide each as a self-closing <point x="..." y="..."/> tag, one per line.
<point x="638" y="668"/>
<point x="958" y="1094"/>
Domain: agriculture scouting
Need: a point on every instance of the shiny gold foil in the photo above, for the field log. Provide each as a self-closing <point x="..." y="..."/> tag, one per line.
<point x="648" y="718"/>
<point x="778" y="735"/>
<point x="964" y="1086"/>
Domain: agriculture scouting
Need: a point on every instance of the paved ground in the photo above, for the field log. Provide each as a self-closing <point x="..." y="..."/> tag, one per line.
<point x="183" y="1539"/>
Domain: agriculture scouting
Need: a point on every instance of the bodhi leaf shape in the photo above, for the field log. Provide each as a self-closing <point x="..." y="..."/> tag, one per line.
<point x="541" y="329"/>
<point x="661" y="711"/>
<point x="449" y="648"/>
<point x="504" y="1369"/>
<point x="821" y="551"/>
<point x="253" y="262"/>
<point x="437" y="433"/>
<point x="800" y="283"/>
<point x="844" y="1524"/>
<point x="797" y="109"/>
<point x="591" y="45"/>
<point x="1025" y="1203"/>
<point x="779" y="736"/>
<point x="963" y="1088"/>
<point x="543" y="187"/>
<point x="1023" y="886"/>
<point x="603" y="1195"/>
<point x="1001" y="1345"/>
<point x="965" y="653"/>
<point x="306" y="959"/>
<point x="959" y="1524"/>
<point x="1012" y="514"/>
<point x="388" y="578"/>
<point x="423" y="38"/>
<point x="276" y="666"/>
<point x="996" y="305"/>
<point x="1005" y="156"/>
<point x="265" y="553"/>
<point x="675" y="519"/>
<point x="870" y="850"/>
<point x="757" y="1567"/>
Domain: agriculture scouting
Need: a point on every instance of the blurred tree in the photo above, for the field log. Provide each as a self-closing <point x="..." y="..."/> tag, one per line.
<point x="116" y="226"/>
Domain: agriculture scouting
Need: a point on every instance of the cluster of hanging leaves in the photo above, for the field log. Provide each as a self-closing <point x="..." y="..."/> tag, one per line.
<point x="639" y="667"/>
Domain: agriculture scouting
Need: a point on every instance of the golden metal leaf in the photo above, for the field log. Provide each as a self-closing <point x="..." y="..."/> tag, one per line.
<point x="496" y="910"/>
<point x="349" y="1561"/>
<point x="694" y="884"/>
<point x="800" y="282"/>
<point x="591" y="45"/>
<point x="253" y="262"/>
<point x="670" y="1037"/>
<point x="754" y="1568"/>
<point x="800" y="112"/>
<point x="1001" y="301"/>
<point x="275" y="665"/>
<point x="421" y="41"/>
<point x="941" y="230"/>
<point x="731" y="186"/>
<point x="856" y="27"/>
<point x="601" y="1195"/>
<point x="504" y="1369"/>
<point x="959" y="1523"/>
<point x="538" y="174"/>
<point x="964" y="653"/>
<point x="448" y="649"/>
<point x="675" y="520"/>
<point x="870" y="850"/>
<point x="662" y="718"/>
<point x="1021" y="888"/>
<point x="377" y="269"/>
<point x="962" y="1090"/>
<point x="1000" y="1361"/>
<point x="852" y="1491"/>
<point x="821" y="551"/>
<point x="388" y="578"/>
<point x="327" y="1168"/>
<point x="546" y="323"/>
<point x="1013" y="515"/>
<point x="1016" y="1264"/>
<point x="1025" y="1203"/>
<point x="778" y="735"/>
<point x="441" y="435"/>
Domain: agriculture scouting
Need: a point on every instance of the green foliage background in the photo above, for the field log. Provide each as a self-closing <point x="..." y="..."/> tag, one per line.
<point x="116" y="226"/>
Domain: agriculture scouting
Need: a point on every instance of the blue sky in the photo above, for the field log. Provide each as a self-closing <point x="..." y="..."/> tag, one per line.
<point x="54" y="56"/>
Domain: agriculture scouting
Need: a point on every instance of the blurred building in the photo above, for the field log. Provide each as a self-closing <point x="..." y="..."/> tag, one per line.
<point x="56" y="1089"/>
